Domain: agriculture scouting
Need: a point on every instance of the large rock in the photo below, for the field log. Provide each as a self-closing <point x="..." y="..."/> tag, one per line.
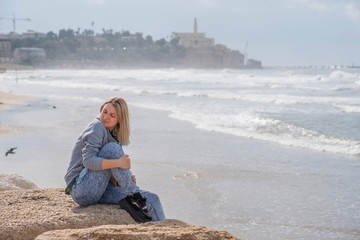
<point x="15" y="182"/>
<point x="26" y="214"/>
<point x="168" y="229"/>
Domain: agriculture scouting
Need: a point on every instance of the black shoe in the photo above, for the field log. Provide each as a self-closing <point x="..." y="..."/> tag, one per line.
<point x="140" y="201"/>
<point x="135" y="205"/>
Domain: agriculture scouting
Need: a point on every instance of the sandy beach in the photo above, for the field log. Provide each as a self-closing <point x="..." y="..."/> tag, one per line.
<point x="9" y="100"/>
<point x="251" y="188"/>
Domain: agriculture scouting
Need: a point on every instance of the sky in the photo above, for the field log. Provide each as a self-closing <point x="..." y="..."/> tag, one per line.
<point x="276" y="32"/>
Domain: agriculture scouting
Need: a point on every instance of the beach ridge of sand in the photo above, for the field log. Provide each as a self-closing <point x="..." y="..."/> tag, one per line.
<point x="27" y="212"/>
<point x="8" y="100"/>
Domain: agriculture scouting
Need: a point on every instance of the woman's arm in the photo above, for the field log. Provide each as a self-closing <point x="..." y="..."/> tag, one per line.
<point x="123" y="162"/>
<point x="92" y="142"/>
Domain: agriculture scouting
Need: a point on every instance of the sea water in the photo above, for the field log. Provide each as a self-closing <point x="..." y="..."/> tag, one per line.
<point x="297" y="178"/>
<point x="316" y="109"/>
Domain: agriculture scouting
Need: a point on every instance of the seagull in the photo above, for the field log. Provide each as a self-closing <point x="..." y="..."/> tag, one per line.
<point x="11" y="150"/>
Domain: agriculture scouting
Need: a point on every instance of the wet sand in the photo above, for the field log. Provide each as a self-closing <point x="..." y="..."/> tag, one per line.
<point x="8" y="100"/>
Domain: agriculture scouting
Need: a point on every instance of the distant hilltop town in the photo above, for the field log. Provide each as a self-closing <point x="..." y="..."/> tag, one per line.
<point x="76" y="48"/>
<point x="201" y="51"/>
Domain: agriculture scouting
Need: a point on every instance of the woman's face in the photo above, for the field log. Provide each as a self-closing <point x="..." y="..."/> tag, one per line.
<point x="108" y="116"/>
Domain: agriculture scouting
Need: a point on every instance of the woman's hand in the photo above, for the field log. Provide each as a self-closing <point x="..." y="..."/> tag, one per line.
<point x="125" y="162"/>
<point x="133" y="178"/>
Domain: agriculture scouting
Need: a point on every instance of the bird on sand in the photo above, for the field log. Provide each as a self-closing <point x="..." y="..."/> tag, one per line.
<point x="11" y="150"/>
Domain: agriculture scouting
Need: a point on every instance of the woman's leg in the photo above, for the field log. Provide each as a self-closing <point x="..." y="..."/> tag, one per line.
<point x="122" y="176"/>
<point x="90" y="186"/>
<point x="114" y="194"/>
<point x="154" y="205"/>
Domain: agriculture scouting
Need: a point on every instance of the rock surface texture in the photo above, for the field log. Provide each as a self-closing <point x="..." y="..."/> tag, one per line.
<point x="25" y="214"/>
<point x="168" y="229"/>
<point x="50" y="214"/>
<point x="15" y="182"/>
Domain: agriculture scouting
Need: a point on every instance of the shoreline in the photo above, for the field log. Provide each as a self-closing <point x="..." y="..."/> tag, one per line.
<point x="8" y="100"/>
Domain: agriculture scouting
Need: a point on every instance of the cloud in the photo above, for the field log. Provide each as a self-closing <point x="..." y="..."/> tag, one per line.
<point x="320" y="7"/>
<point x="314" y="5"/>
<point x="352" y="12"/>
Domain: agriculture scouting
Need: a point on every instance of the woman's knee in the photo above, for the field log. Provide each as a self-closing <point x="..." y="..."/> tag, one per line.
<point x="90" y="186"/>
<point x="111" y="150"/>
<point x="85" y="197"/>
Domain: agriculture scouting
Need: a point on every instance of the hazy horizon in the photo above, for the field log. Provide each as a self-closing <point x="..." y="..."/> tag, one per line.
<point x="287" y="33"/>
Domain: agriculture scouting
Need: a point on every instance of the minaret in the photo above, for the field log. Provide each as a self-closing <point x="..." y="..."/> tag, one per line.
<point x="195" y="26"/>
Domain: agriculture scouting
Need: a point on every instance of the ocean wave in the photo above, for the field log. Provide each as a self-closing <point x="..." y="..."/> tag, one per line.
<point x="348" y="108"/>
<point x="236" y="79"/>
<point x="341" y="75"/>
<point x="79" y="98"/>
<point x="281" y="99"/>
<point x="262" y="127"/>
<point x="278" y="99"/>
<point x="74" y="85"/>
<point x="229" y="101"/>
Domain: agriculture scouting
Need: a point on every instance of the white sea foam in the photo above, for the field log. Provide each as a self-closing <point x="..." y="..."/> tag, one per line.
<point x="348" y="108"/>
<point x="262" y="127"/>
<point x="341" y="75"/>
<point x="76" y="98"/>
<point x="210" y="93"/>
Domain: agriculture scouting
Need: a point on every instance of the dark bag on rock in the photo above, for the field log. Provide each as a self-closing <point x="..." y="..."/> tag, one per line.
<point x="135" y="205"/>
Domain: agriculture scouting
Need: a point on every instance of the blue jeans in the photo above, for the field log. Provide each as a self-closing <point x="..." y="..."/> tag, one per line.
<point x="92" y="187"/>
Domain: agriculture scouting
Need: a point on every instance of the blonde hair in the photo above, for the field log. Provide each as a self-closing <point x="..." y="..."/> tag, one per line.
<point x="122" y="129"/>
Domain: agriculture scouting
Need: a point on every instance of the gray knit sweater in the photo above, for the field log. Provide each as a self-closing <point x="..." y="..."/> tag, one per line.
<point x="86" y="149"/>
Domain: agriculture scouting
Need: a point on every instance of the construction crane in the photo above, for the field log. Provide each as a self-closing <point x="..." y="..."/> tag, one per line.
<point x="14" y="19"/>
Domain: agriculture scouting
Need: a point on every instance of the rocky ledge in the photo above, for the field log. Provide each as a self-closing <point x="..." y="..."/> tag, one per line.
<point x="50" y="214"/>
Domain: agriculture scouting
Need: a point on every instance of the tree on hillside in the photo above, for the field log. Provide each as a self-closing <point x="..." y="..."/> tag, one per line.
<point x="51" y="35"/>
<point x="161" y="42"/>
<point x="125" y="33"/>
<point x="87" y="33"/>
<point x="66" y="33"/>
<point x="149" y="40"/>
<point x="108" y="46"/>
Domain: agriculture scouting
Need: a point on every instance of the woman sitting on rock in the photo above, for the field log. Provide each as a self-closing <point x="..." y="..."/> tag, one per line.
<point x="99" y="171"/>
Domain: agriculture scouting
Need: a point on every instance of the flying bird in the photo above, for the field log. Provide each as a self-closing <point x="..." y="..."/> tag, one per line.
<point x="11" y="150"/>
